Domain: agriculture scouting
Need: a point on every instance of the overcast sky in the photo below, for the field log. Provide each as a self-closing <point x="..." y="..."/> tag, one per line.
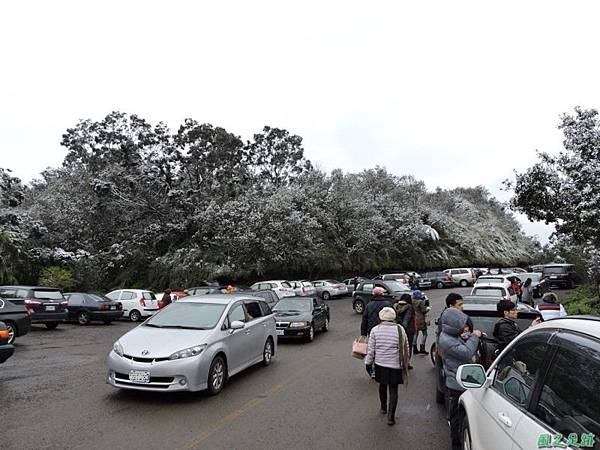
<point x="455" y="93"/>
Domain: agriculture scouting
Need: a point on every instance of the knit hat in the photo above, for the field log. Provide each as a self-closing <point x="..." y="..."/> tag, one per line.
<point x="417" y="295"/>
<point x="387" y="314"/>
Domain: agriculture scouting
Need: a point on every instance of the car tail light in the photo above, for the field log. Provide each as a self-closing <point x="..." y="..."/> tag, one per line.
<point x="32" y="303"/>
<point x="104" y="307"/>
<point x="3" y="334"/>
<point x="142" y="302"/>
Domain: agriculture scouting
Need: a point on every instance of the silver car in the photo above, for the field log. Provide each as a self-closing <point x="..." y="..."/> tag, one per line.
<point x="303" y="288"/>
<point x="194" y="344"/>
<point x="327" y="289"/>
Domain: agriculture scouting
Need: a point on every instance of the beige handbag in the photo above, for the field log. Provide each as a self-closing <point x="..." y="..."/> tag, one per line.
<point x="359" y="347"/>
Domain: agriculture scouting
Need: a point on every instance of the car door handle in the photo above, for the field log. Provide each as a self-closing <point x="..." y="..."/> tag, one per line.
<point x="505" y="419"/>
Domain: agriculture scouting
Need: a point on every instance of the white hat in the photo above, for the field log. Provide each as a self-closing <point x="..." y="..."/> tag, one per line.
<point x="387" y="314"/>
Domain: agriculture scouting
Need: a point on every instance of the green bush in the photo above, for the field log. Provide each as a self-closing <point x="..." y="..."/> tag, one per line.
<point x="57" y="277"/>
<point x="583" y="300"/>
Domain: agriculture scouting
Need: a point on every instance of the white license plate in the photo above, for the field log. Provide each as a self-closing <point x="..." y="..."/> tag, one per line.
<point x="139" y="376"/>
<point x="113" y="307"/>
<point x="280" y="332"/>
<point x="554" y="277"/>
<point x="50" y="308"/>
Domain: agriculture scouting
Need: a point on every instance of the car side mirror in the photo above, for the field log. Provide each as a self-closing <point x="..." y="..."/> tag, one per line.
<point x="237" y="325"/>
<point x="471" y="376"/>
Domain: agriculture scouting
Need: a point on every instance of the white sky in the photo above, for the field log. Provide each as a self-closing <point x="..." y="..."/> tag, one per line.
<point x="456" y="93"/>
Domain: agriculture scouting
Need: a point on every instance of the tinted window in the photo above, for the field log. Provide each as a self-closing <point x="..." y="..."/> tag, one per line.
<point x="98" y="298"/>
<point x="253" y="310"/>
<point x="237" y="313"/>
<point x="8" y="293"/>
<point x="293" y="304"/>
<point x="517" y="371"/>
<point x="396" y="286"/>
<point x="570" y="398"/>
<point x="555" y="270"/>
<point x="22" y="293"/>
<point x="487" y="292"/>
<point x="75" y="299"/>
<point x="265" y="308"/>
<point x="47" y="295"/>
<point x="188" y="315"/>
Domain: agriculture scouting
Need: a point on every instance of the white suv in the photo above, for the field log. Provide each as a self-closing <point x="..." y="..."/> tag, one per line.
<point x="281" y="287"/>
<point x="543" y="391"/>
<point x="462" y="277"/>
<point x="137" y="303"/>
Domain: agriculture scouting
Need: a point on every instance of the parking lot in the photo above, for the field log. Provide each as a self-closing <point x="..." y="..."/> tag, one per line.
<point x="314" y="395"/>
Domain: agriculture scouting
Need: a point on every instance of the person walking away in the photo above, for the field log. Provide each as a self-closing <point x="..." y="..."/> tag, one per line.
<point x="550" y="307"/>
<point x="166" y="298"/>
<point x="388" y="351"/>
<point x="370" y="317"/>
<point x="458" y="346"/>
<point x="405" y="316"/>
<point x="422" y="322"/>
<point x="527" y="292"/>
<point x="506" y="328"/>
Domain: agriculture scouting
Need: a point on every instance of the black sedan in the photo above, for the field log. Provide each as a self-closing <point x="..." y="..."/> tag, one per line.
<point x="300" y="317"/>
<point x="85" y="308"/>
<point x="6" y="349"/>
<point x="16" y="319"/>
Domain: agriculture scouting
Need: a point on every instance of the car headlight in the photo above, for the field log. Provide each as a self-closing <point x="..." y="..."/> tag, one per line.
<point x="188" y="352"/>
<point x="118" y="348"/>
<point x="298" y="324"/>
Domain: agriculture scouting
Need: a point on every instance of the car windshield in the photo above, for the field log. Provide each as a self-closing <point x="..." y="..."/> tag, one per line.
<point x="396" y="286"/>
<point x="486" y="324"/>
<point x="99" y="298"/>
<point x="293" y="304"/>
<point x="48" y="295"/>
<point x="196" y="316"/>
<point x="555" y="270"/>
<point x="489" y="292"/>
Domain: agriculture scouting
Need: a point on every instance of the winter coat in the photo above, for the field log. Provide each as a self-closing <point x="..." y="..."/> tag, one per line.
<point x="551" y="310"/>
<point x="505" y="331"/>
<point x="405" y="316"/>
<point x="455" y="348"/>
<point x="421" y="311"/>
<point x="370" y="316"/>
<point x="527" y="295"/>
<point x="384" y="346"/>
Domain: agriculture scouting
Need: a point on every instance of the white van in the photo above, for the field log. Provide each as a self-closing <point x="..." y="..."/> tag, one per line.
<point x="463" y="277"/>
<point x="137" y="303"/>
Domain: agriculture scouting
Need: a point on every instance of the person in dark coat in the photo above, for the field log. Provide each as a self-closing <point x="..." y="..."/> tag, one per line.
<point x="405" y="316"/>
<point x="370" y="318"/>
<point x="506" y="329"/>
<point x="166" y="298"/>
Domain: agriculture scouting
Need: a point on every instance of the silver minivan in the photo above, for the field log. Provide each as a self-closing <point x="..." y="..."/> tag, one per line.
<point x="194" y="344"/>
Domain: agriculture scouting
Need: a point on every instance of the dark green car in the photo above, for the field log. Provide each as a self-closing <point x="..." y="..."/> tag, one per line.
<point x="364" y="292"/>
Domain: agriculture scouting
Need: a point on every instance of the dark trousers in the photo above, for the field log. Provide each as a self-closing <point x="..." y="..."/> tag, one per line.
<point x="452" y="414"/>
<point x="390" y="406"/>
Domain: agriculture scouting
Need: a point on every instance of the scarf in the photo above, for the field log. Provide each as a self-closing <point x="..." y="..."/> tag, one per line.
<point x="404" y="352"/>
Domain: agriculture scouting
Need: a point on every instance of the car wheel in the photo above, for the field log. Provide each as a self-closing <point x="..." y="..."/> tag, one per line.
<point x="464" y="283"/>
<point x="326" y="295"/>
<point x="326" y="325"/>
<point x="465" y="434"/>
<point x="52" y="326"/>
<point x="135" y="316"/>
<point x="432" y="351"/>
<point x="12" y="332"/>
<point x="311" y="333"/>
<point x="216" y="376"/>
<point x="83" y="318"/>
<point x="267" y="353"/>
<point x="359" y="306"/>
<point x="439" y="285"/>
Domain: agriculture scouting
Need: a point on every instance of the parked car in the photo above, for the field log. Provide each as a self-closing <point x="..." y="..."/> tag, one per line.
<point x="203" y="288"/>
<point x="538" y="283"/>
<point x="486" y="280"/>
<point x="364" y="292"/>
<point x="422" y="281"/>
<point x="85" y="308"/>
<point x="439" y="280"/>
<point x="463" y="277"/>
<point x="505" y="271"/>
<point x="281" y="287"/>
<point x="16" y="319"/>
<point x="327" y="289"/>
<point x="301" y="317"/>
<point x="484" y="315"/>
<point x="496" y="291"/>
<point x="561" y="275"/>
<point x="268" y="296"/>
<point x="47" y="305"/>
<point x="543" y="390"/>
<point x="6" y="348"/>
<point x="350" y="284"/>
<point x="402" y="277"/>
<point x="196" y="343"/>
<point x="137" y="303"/>
<point x="303" y="288"/>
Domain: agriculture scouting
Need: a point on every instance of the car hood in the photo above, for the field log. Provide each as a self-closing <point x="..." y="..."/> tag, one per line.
<point x="289" y="316"/>
<point x="160" y="342"/>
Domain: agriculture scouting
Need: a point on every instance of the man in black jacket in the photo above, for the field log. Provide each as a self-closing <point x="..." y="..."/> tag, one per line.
<point x="506" y="329"/>
<point x="370" y="316"/>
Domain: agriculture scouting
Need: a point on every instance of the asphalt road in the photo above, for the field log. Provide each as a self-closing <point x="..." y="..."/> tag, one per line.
<point x="53" y="396"/>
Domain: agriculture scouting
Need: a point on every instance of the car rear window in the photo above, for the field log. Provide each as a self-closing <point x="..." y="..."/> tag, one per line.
<point x="489" y="292"/>
<point x="149" y="296"/>
<point x="47" y="295"/>
<point x="99" y="298"/>
<point x="555" y="270"/>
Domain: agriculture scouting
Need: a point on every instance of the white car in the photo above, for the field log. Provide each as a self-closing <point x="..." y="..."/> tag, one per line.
<point x="498" y="291"/>
<point x="486" y="280"/>
<point x="543" y="390"/>
<point x="281" y="287"/>
<point x="303" y="288"/>
<point x="137" y="303"/>
<point x="463" y="277"/>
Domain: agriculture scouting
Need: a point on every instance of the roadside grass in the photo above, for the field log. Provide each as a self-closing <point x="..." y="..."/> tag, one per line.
<point x="583" y="300"/>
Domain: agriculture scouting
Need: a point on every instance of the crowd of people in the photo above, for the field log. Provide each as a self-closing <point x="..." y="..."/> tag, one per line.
<point x="392" y="329"/>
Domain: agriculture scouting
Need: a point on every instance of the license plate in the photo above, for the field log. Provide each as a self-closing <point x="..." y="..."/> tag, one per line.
<point x="280" y="332"/>
<point x="139" y="376"/>
<point x="50" y="308"/>
<point x="113" y="308"/>
<point x="554" y="277"/>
